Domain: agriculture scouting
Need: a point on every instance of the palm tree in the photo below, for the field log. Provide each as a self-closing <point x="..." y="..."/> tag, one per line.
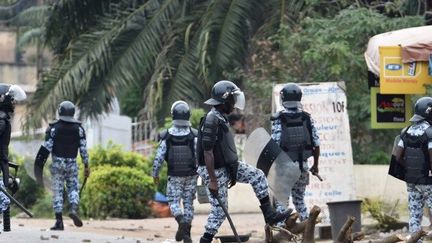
<point x="172" y="49"/>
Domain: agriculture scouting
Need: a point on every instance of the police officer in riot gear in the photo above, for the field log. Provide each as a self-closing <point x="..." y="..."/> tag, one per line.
<point x="414" y="153"/>
<point x="63" y="138"/>
<point x="293" y="129"/>
<point x="177" y="147"/>
<point x="219" y="166"/>
<point x="9" y="95"/>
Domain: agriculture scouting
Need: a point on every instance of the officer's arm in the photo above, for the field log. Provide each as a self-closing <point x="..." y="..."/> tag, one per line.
<point x="209" y="132"/>
<point x="159" y="158"/>
<point x="315" y="143"/>
<point x="276" y="128"/>
<point x="83" y="147"/>
<point x="4" y="163"/>
<point x="49" y="141"/>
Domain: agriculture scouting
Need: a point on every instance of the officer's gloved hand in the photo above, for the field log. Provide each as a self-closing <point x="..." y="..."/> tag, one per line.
<point x="213" y="188"/>
<point x="86" y="171"/>
<point x="232" y="172"/>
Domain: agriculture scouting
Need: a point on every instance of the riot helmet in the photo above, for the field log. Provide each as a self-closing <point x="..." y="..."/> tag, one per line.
<point x="290" y="96"/>
<point x="180" y="113"/>
<point x="227" y="93"/>
<point x="422" y="110"/>
<point x="9" y="95"/>
<point x="66" y="111"/>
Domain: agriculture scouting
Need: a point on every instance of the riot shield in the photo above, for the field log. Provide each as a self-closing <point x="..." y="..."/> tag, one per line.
<point x="264" y="153"/>
<point x="396" y="169"/>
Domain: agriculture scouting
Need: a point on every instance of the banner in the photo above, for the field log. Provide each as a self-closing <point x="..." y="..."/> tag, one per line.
<point x="390" y="110"/>
<point x="401" y="78"/>
<point x="327" y="102"/>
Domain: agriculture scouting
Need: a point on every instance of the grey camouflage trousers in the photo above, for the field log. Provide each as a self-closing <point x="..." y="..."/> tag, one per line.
<point x="64" y="170"/>
<point x="4" y="200"/>
<point x="298" y="195"/>
<point x="178" y="188"/>
<point x="418" y="195"/>
<point x="245" y="174"/>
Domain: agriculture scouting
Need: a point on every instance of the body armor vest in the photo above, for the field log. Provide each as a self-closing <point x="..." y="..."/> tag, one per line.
<point x="224" y="151"/>
<point x="180" y="155"/>
<point x="296" y="137"/>
<point x="416" y="157"/>
<point x="66" y="139"/>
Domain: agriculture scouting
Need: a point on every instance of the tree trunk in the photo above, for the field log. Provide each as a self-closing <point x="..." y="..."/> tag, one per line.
<point x="391" y="239"/>
<point x="344" y="235"/>
<point x="308" y="236"/>
<point x="416" y="236"/>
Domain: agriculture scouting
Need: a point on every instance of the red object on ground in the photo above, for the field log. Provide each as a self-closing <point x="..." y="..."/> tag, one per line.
<point x="160" y="210"/>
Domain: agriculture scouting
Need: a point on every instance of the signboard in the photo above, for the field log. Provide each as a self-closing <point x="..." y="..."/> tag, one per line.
<point x="390" y="110"/>
<point x="401" y="78"/>
<point x="327" y="102"/>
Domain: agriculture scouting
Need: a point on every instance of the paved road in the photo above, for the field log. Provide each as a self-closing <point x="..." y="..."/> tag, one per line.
<point x="145" y="230"/>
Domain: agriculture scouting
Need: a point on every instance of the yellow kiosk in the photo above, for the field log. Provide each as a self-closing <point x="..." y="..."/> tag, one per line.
<point x="398" y="63"/>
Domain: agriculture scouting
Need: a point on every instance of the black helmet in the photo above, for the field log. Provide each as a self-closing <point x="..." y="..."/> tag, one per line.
<point x="66" y="111"/>
<point x="291" y="92"/>
<point x="291" y="95"/>
<point x="180" y="113"/>
<point x="9" y="94"/>
<point x="422" y="110"/>
<point x="221" y="92"/>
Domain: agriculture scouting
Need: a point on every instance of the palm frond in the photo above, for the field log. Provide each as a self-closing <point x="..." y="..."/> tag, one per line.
<point x="31" y="17"/>
<point x="31" y="37"/>
<point x="116" y="53"/>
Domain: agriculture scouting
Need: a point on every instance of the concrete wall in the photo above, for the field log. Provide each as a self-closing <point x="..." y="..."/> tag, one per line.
<point x="371" y="181"/>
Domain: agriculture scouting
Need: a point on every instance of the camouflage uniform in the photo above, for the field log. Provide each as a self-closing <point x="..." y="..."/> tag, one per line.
<point x="4" y="200"/>
<point x="65" y="170"/>
<point x="245" y="174"/>
<point x="178" y="187"/>
<point x="418" y="195"/>
<point x="299" y="188"/>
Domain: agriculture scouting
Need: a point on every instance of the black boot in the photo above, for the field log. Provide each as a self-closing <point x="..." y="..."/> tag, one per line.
<point x="74" y="215"/>
<point x="187" y="236"/>
<point x="206" y="238"/>
<point x="59" y="222"/>
<point x="272" y="217"/>
<point x="182" y="225"/>
<point x="6" y="220"/>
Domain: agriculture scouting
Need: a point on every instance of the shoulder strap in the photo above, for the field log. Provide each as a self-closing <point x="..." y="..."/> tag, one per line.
<point x="163" y="135"/>
<point x="275" y="116"/>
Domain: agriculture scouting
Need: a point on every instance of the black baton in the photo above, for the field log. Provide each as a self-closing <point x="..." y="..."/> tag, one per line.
<point x="229" y="219"/>
<point x="16" y="202"/>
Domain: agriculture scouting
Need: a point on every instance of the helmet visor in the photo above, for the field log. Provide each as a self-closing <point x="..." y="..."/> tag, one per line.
<point x="17" y="93"/>
<point x="239" y="99"/>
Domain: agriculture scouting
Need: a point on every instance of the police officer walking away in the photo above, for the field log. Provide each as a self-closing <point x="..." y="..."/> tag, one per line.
<point x="293" y="129"/>
<point x="219" y="165"/>
<point x="177" y="147"/>
<point x="9" y="95"/>
<point x="63" y="138"/>
<point x="414" y="154"/>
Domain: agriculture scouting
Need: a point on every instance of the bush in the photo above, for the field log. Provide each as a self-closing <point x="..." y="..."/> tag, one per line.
<point x="113" y="155"/>
<point x="121" y="192"/>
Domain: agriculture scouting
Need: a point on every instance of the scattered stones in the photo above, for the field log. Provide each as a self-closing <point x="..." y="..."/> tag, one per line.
<point x="21" y="225"/>
<point x="167" y="226"/>
<point x="150" y="239"/>
<point x="140" y="227"/>
<point x="54" y="236"/>
<point x="157" y="236"/>
<point x="86" y="240"/>
<point x="44" y="238"/>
